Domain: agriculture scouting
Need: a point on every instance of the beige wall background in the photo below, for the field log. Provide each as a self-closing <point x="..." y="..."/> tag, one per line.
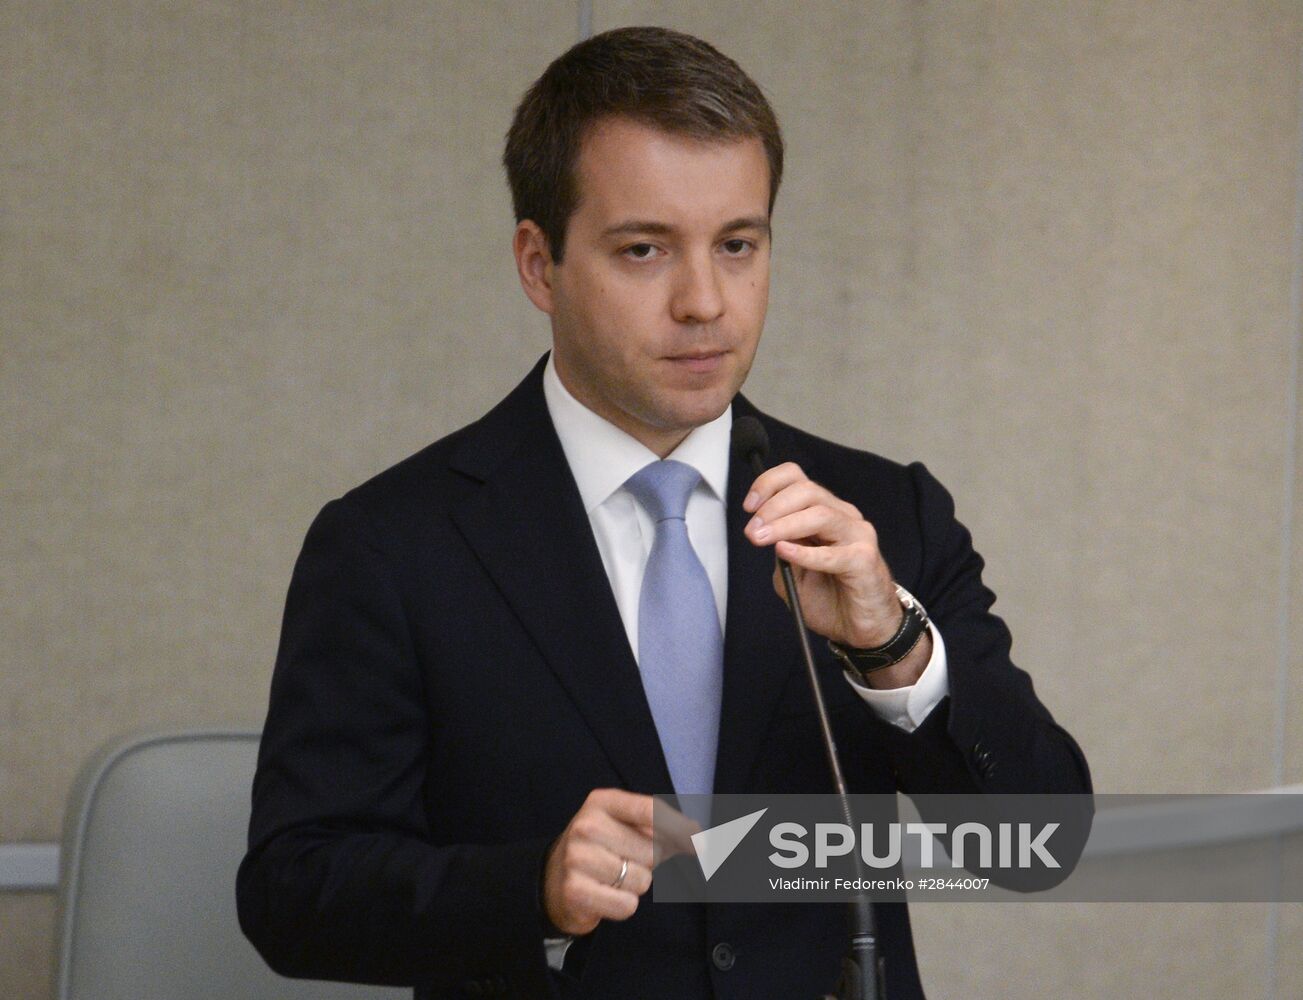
<point x="252" y="253"/>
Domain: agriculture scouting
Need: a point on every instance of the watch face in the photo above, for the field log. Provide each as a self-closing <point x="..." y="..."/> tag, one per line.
<point x="911" y="603"/>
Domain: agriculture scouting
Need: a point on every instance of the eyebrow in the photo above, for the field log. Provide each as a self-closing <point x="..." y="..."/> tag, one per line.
<point x="634" y="227"/>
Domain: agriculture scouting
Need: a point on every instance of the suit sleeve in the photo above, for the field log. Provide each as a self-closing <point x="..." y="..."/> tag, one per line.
<point x="342" y="879"/>
<point x="992" y="734"/>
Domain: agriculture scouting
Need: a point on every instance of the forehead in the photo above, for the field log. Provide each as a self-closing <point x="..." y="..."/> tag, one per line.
<point x="625" y="168"/>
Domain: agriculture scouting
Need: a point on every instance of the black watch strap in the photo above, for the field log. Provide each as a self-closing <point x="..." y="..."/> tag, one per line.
<point x="862" y="662"/>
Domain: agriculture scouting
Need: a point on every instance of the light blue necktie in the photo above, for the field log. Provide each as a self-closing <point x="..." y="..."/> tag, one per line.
<point x="680" y="647"/>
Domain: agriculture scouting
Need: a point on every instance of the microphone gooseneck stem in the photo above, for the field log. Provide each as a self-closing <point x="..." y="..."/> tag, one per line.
<point x="825" y="724"/>
<point x="862" y="972"/>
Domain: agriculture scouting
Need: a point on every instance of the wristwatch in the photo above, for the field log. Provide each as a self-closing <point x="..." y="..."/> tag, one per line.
<point x="859" y="663"/>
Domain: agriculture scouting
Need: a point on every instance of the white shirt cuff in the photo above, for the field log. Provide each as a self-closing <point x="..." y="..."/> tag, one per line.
<point x="556" y="949"/>
<point x="907" y="707"/>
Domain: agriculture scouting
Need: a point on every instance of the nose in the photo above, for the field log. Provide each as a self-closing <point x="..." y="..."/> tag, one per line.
<point x="698" y="295"/>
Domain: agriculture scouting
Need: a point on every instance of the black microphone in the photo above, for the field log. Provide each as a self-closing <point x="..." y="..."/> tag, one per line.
<point x="862" y="972"/>
<point x="751" y="442"/>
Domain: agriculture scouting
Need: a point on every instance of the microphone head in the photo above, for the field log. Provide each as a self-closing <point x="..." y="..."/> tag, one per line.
<point x="750" y="438"/>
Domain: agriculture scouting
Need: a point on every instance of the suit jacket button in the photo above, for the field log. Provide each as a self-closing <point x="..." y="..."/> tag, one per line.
<point x="723" y="956"/>
<point x="984" y="759"/>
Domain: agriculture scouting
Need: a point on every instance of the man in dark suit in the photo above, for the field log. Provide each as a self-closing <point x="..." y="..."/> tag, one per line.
<point x="473" y="702"/>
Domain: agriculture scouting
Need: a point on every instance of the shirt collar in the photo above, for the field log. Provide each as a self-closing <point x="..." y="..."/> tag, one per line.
<point x="602" y="457"/>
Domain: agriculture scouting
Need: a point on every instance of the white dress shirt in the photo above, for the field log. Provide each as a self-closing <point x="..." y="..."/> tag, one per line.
<point x="602" y="458"/>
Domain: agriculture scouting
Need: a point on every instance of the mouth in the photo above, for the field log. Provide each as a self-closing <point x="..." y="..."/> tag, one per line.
<point x="701" y="362"/>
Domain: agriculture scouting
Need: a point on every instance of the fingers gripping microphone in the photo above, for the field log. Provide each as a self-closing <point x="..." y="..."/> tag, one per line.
<point x="862" y="973"/>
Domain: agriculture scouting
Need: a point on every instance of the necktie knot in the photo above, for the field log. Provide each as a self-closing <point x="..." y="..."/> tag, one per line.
<point x="663" y="488"/>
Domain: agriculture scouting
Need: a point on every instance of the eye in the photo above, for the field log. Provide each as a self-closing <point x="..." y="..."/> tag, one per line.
<point x="640" y="251"/>
<point x="737" y="247"/>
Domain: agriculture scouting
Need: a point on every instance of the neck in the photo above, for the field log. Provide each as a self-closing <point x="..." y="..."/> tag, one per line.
<point x="664" y="447"/>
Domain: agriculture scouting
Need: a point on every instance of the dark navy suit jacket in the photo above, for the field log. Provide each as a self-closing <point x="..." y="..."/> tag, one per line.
<point x="453" y="679"/>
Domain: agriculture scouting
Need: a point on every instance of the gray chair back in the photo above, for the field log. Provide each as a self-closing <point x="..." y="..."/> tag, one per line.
<point x="154" y="832"/>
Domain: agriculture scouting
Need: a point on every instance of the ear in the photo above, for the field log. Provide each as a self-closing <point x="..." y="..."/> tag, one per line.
<point x="534" y="264"/>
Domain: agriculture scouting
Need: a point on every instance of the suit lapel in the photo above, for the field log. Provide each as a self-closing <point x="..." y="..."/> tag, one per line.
<point x="760" y="643"/>
<point x="527" y="525"/>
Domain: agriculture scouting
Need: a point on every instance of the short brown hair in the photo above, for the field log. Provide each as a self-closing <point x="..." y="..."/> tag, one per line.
<point x="655" y="76"/>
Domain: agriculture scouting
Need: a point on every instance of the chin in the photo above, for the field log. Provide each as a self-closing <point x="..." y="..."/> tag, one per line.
<point x="702" y="412"/>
